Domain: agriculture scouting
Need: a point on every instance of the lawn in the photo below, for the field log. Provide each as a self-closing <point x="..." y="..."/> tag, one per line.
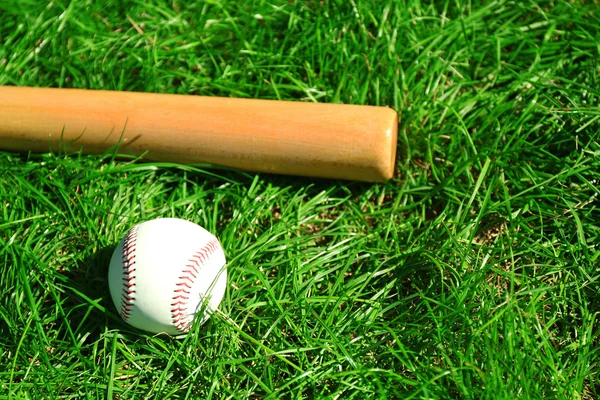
<point x="473" y="273"/>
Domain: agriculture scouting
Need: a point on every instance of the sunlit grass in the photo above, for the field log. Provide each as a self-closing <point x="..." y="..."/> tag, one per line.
<point x="472" y="274"/>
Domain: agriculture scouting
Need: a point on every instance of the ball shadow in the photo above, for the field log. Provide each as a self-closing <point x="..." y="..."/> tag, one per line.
<point x="91" y="312"/>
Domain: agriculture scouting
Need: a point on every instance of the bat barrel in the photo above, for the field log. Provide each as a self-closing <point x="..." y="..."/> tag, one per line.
<point x="284" y="137"/>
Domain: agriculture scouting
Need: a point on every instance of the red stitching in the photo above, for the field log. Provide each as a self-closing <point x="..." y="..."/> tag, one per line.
<point x="179" y="306"/>
<point x="192" y="272"/>
<point x="128" y="261"/>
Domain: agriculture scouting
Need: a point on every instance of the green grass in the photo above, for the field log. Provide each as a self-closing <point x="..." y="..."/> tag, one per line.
<point x="473" y="274"/>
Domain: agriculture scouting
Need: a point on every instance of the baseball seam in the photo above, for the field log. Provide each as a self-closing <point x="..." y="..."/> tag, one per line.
<point x="128" y="263"/>
<point x="180" y="316"/>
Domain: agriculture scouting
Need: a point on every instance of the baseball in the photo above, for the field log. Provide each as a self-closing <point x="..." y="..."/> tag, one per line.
<point x="164" y="272"/>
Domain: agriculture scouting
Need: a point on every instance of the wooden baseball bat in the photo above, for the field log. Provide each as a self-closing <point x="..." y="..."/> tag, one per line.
<point x="295" y="138"/>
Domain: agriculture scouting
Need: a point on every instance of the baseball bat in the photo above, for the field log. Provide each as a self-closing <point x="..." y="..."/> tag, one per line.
<point x="284" y="137"/>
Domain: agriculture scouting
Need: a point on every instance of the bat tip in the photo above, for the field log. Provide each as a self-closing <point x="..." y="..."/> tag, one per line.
<point x="387" y="153"/>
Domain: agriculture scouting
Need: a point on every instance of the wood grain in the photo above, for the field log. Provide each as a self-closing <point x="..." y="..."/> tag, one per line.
<point x="284" y="137"/>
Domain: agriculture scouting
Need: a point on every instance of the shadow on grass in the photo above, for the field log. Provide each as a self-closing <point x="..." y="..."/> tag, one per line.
<point x="91" y="312"/>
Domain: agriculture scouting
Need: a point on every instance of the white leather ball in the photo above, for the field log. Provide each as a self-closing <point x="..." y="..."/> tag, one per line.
<point x="164" y="272"/>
